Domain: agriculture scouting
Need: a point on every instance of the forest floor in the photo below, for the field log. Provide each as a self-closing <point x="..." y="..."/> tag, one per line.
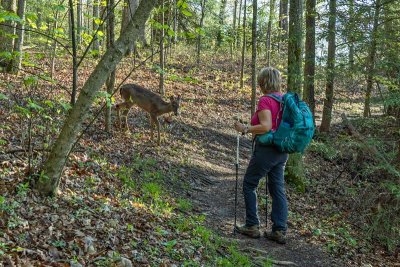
<point x="123" y="200"/>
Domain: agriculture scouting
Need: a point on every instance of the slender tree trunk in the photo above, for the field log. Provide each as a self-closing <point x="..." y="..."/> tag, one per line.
<point x="54" y="45"/>
<point x="88" y="24"/>
<point x="162" y="58"/>
<point x="96" y="14"/>
<point x="7" y="30"/>
<point x="371" y="60"/>
<point x="234" y="35"/>
<point x="130" y="7"/>
<point x="294" y="46"/>
<point x="243" y="45"/>
<point x="16" y="64"/>
<point x="203" y="5"/>
<point x="176" y="23"/>
<point x="79" y="22"/>
<point x="50" y="176"/>
<point x="269" y="29"/>
<point x="309" y="66"/>
<point x="283" y="17"/>
<point x="111" y="79"/>
<point x="238" y="24"/>
<point x="221" y="19"/>
<point x="351" y="35"/>
<point x="253" y="59"/>
<point x="295" y="166"/>
<point x="330" y="69"/>
<point x="74" y="54"/>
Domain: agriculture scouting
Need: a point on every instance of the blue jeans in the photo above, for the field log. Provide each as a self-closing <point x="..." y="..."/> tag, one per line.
<point x="266" y="160"/>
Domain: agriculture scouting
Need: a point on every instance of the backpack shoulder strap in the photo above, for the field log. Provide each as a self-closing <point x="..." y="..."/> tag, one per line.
<point x="276" y="97"/>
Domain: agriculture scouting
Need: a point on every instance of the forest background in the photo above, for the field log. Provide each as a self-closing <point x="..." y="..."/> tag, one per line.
<point x="64" y="61"/>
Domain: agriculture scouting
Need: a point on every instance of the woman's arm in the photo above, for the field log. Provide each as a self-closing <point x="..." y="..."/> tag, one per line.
<point x="265" y="125"/>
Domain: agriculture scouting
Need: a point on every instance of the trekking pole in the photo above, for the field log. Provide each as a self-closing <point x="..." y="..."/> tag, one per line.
<point x="237" y="178"/>
<point x="266" y="202"/>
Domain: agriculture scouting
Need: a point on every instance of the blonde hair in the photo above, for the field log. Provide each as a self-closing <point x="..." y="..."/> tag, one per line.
<point x="269" y="80"/>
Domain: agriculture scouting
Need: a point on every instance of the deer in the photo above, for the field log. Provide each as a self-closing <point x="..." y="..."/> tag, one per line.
<point x="134" y="94"/>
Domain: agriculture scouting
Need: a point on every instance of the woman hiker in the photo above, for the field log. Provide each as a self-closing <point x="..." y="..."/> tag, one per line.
<point x="265" y="160"/>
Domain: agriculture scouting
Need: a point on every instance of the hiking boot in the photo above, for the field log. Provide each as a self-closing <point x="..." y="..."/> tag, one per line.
<point x="252" y="231"/>
<point x="277" y="236"/>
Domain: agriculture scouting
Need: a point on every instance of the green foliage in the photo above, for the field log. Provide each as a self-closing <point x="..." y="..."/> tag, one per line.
<point x="324" y="149"/>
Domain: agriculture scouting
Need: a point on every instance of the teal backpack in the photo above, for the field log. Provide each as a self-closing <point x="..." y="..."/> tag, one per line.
<point x="296" y="128"/>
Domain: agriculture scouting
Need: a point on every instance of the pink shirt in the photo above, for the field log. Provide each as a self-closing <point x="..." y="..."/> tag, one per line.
<point x="268" y="103"/>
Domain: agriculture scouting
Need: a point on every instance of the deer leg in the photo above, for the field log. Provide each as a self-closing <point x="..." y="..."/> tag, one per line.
<point x="158" y="130"/>
<point x="126" y="111"/>
<point x="151" y="127"/>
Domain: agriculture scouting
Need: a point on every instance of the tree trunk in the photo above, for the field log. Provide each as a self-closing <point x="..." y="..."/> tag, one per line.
<point x="253" y="59"/>
<point x="243" y="45"/>
<point x="295" y="46"/>
<point x="351" y="36"/>
<point x="130" y="7"/>
<point x="371" y="60"/>
<point x="203" y="5"/>
<point x="111" y="79"/>
<point x="7" y="30"/>
<point x="96" y="15"/>
<point x="175" y="23"/>
<point x="295" y="167"/>
<point x="79" y="22"/>
<point x="221" y="19"/>
<point x="74" y="53"/>
<point x="238" y="24"/>
<point x="49" y="178"/>
<point x="283" y="17"/>
<point x="269" y="29"/>
<point x="162" y="58"/>
<point x="16" y="63"/>
<point x="54" y="46"/>
<point x="330" y="69"/>
<point x="309" y="66"/>
<point x="234" y="35"/>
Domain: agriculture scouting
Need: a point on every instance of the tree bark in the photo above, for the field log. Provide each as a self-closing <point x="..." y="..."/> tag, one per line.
<point x="111" y="79"/>
<point x="295" y="167"/>
<point x="371" y="60"/>
<point x="295" y="46"/>
<point x="269" y="29"/>
<point x="330" y="69"/>
<point x="203" y="5"/>
<point x="79" y="22"/>
<point x="130" y="7"/>
<point x="309" y="66"/>
<point x="351" y="35"/>
<point x="96" y="15"/>
<point x="16" y="63"/>
<point x="234" y="35"/>
<point x="221" y="19"/>
<point x="6" y="30"/>
<point x="253" y="59"/>
<point x="49" y="178"/>
<point x="243" y="45"/>
<point x="74" y="54"/>
<point x="283" y="17"/>
<point x="162" y="57"/>
<point x="238" y="24"/>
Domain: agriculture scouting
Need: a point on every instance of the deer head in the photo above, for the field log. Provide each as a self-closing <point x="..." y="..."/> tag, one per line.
<point x="175" y="103"/>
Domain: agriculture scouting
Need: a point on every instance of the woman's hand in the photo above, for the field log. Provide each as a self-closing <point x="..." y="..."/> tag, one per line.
<point x="239" y="127"/>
